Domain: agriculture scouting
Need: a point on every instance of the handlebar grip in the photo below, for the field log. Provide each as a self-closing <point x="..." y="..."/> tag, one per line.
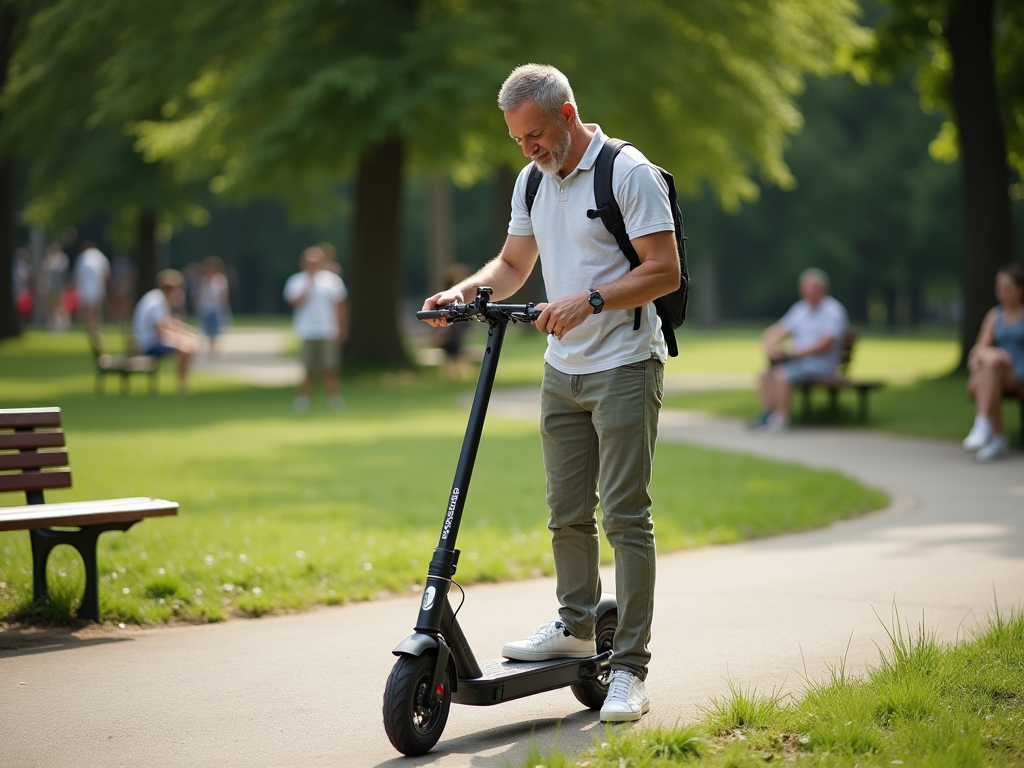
<point x="430" y="314"/>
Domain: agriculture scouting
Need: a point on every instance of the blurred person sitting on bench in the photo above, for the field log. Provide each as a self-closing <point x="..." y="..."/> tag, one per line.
<point x="815" y="324"/>
<point x="157" y="333"/>
<point x="996" y="363"/>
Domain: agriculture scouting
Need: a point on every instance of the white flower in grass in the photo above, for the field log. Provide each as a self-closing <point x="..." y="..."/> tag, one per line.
<point x="126" y="591"/>
<point x="300" y="554"/>
<point x="257" y="591"/>
<point x="208" y="560"/>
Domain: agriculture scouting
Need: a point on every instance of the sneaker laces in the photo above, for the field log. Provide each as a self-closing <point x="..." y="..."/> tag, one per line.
<point x="620" y="685"/>
<point x="545" y="632"/>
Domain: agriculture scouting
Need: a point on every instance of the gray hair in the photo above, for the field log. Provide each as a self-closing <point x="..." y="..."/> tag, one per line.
<point x="546" y="86"/>
<point x="813" y="273"/>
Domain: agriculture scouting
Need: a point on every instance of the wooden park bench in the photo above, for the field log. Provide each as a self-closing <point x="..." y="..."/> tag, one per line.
<point x="1019" y="397"/>
<point x="24" y="467"/>
<point x="834" y="384"/>
<point x="123" y="365"/>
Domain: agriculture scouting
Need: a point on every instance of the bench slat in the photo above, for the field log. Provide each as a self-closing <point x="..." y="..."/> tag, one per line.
<point x="36" y="481"/>
<point x="29" y="417"/>
<point x="33" y="459"/>
<point x="83" y="513"/>
<point x="53" y="439"/>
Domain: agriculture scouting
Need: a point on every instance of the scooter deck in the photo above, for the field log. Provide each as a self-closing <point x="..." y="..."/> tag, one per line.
<point x="504" y="680"/>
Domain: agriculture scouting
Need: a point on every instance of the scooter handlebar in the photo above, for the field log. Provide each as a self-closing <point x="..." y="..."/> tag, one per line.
<point x="453" y="313"/>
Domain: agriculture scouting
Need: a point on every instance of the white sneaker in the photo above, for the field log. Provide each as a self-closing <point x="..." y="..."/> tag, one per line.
<point x="627" y="698"/>
<point x="301" y="404"/>
<point x="979" y="435"/>
<point x="998" y="445"/>
<point x="550" y="641"/>
<point x="776" y="424"/>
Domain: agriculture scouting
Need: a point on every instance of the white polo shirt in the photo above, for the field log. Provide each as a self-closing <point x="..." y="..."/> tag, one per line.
<point x="91" y="272"/>
<point x="577" y="253"/>
<point x="317" y="317"/>
<point x="809" y="325"/>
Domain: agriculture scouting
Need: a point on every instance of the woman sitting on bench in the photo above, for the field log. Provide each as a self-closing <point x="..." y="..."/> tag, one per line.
<point x="996" y="363"/>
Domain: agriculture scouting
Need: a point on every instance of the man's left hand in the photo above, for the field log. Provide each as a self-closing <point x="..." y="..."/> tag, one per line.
<point x="561" y="316"/>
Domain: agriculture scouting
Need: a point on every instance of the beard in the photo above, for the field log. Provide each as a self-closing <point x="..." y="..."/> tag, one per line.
<point x="553" y="159"/>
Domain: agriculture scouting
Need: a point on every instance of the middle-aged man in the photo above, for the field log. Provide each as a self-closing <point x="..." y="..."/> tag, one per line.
<point x="603" y="381"/>
<point x="816" y="324"/>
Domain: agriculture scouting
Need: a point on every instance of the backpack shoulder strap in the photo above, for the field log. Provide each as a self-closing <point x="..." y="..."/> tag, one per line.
<point x="532" y="185"/>
<point x="604" y="198"/>
<point x="608" y="208"/>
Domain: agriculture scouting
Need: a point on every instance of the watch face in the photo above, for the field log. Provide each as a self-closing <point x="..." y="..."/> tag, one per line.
<point x="596" y="300"/>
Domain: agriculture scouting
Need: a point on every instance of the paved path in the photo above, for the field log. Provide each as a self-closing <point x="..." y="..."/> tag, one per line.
<point x="305" y="690"/>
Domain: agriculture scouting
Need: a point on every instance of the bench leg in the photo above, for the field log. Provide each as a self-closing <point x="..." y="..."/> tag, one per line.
<point x="862" y="410"/>
<point x="84" y="541"/>
<point x="833" y="400"/>
<point x="1020" y="435"/>
<point x="806" y="397"/>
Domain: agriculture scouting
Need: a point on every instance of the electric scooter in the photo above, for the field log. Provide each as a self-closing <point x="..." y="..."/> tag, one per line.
<point x="435" y="665"/>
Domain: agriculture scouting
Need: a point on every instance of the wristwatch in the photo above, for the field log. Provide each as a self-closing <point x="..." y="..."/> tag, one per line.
<point x="596" y="301"/>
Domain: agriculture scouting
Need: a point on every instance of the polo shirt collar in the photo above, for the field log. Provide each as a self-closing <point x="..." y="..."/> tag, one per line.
<point x="593" y="150"/>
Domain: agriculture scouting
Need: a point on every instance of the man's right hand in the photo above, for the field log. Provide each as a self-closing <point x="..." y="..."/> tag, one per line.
<point x="442" y="299"/>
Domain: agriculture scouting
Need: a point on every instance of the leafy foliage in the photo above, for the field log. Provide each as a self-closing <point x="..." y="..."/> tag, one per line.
<point x="913" y="34"/>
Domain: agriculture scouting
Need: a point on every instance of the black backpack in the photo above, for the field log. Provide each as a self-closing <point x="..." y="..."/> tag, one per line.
<point x="672" y="306"/>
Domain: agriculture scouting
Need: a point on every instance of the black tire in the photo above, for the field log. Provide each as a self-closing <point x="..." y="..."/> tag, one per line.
<point x="591" y="693"/>
<point x="411" y="723"/>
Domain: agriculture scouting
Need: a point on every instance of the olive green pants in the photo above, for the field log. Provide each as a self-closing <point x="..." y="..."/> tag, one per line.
<point x="598" y="432"/>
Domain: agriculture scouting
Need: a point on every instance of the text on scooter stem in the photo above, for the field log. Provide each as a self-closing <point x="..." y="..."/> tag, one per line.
<point x="451" y="513"/>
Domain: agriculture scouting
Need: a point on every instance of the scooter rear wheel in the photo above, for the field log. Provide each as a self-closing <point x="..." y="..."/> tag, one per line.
<point x="591" y="693"/>
<point x="412" y="724"/>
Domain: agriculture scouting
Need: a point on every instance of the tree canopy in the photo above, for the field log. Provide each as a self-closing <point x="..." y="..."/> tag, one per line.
<point x="969" y="57"/>
<point x="287" y="98"/>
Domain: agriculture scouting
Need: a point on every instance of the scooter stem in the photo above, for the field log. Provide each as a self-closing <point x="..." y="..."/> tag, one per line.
<point x="445" y="560"/>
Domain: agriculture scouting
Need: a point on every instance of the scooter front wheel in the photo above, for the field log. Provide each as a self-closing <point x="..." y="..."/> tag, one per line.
<point x="591" y="693"/>
<point x="412" y="722"/>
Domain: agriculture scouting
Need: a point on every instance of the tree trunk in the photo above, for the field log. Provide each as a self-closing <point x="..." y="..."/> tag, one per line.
<point x="10" y="325"/>
<point x="440" y="231"/>
<point x="375" y="340"/>
<point x="147" y="253"/>
<point x="984" y="175"/>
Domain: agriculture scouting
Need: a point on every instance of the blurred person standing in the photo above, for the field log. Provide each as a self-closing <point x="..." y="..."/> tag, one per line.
<point x="122" y="286"/>
<point x="320" y="300"/>
<point x="157" y="332"/>
<point x="52" y="283"/>
<point x="212" y="303"/>
<point x="21" y="280"/>
<point x="451" y="337"/>
<point x="816" y="324"/>
<point x="92" y="271"/>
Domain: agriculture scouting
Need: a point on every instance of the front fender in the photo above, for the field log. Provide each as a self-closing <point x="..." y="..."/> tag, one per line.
<point x="415" y="645"/>
<point x="418" y="644"/>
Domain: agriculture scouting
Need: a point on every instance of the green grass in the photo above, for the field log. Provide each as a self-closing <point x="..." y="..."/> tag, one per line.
<point x="282" y="511"/>
<point x="921" y="398"/>
<point x="928" y="408"/>
<point x="922" y="704"/>
<point x="894" y="359"/>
